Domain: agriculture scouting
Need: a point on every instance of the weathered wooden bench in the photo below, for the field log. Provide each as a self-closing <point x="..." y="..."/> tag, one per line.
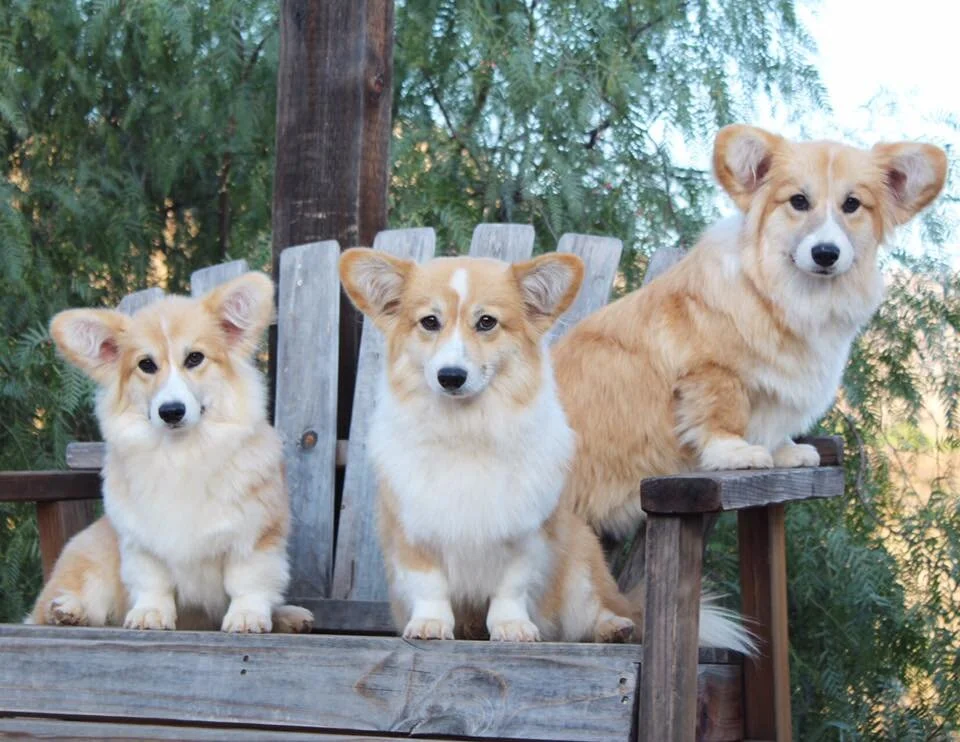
<point x="357" y="678"/>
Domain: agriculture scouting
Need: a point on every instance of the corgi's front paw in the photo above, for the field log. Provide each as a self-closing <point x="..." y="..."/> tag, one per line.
<point x="614" y="630"/>
<point x="246" y="621"/>
<point x="428" y="628"/>
<point x="292" y="619"/>
<point x="734" y="453"/>
<point x="795" y="455"/>
<point x="67" y="610"/>
<point x="150" y="618"/>
<point x="519" y="630"/>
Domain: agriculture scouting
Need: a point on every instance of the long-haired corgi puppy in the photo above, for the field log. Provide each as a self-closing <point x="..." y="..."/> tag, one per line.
<point x="196" y="512"/>
<point x="720" y="361"/>
<point x="472" y="448"/>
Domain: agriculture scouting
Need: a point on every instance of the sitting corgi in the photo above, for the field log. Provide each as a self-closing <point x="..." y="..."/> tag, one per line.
<point x="195" y="530"/>
<point x="720" y="361"/>
<point x="472" y="448"/>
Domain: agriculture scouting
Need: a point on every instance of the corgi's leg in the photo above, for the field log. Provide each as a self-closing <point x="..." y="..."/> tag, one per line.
<point x="292" y="619"/>
<point x="255" y="583"/>
<point x="712" y="412"/>
<point x="790" y="454"/>
<point x="151" y="590"/>
<point x="508" y="617"/>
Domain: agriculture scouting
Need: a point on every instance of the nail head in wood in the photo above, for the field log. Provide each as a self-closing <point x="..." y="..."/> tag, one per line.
<point x="308" y="440"/>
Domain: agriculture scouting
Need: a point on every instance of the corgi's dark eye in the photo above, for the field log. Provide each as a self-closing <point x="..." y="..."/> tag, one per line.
<point x="486" y="323"/>
<point x="800" y="202"/>
<point x="193" y="359"/>
<point x="430" y="323"/>
<point x="147" y="366"/>
<point x="850" y="205"/>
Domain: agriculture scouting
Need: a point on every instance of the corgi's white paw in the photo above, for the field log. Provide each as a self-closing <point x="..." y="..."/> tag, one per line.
<point x="800" y="454"/>
<point x="514" y="631"/>
<point x="68" y="610"/>
<point x="614" y="630"/>
<point x="150" y="618"/>
<point x="734" y="453"/>
<point x="246" y="621"/>
<point x="428" y="628"/>
<point x="292" y="619"/>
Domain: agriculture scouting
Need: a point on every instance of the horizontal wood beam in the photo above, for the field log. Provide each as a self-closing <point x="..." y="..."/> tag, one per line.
<point x="49" y="486"/>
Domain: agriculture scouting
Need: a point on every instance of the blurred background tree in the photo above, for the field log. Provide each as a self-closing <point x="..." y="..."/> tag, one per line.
<point x="137" y="141"/>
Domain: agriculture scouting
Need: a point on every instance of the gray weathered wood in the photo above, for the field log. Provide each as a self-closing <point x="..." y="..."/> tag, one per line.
<point x="661" y="261"/>
<point x="350" y="616"/>
<point x="668" y="681"/>
<point x="139" y="299"/>
<point x="358" y="572"/>
<point x="705" y="492"/>
<point x="601" y="258"/>
<point x="509" y="242"/>
<point x="308" y="326"/>
<point x="380" y="684"/>
<point x="203" y="280"/>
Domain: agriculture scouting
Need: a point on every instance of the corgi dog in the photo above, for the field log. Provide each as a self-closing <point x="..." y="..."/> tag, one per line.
<point x="472" y="448"/>
<point x="194" y="533"/>
<point x="720" y="361"/>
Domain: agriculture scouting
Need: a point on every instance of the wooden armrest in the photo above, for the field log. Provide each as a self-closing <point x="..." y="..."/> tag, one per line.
<point x="709" y="492"/>
<point x="49" y="486"/>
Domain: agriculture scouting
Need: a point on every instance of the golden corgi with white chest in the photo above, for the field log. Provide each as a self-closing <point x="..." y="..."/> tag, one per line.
<point x="720" y="361"/>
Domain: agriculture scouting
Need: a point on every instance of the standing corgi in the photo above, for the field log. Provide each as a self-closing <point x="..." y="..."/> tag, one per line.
<point x="195" y="530"/>
<point x="472" y="449"/>
<point x="720" y="361"/>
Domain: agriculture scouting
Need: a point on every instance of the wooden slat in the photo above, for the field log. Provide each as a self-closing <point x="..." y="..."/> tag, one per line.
<point x="139" y="299"/>
<point x="57" y="522"/>
<point x="509" y="242"/>
<point x="720" y="703"/>
<point x="386" y="685"/>
<point x="668" y="681"/>
<point x="358" y="571"/>
<point x="661" y="261"/>
<point x="350" y="616"/>
<point x="48" y="486"/>
<point x="705" y="492"/>
<point x="829" y="447"/>
<point x="601" y="257"/>
<point x="203" y="280"/>
<point x="308" y="326"/>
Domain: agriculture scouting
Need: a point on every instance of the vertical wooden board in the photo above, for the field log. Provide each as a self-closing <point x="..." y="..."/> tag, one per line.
<point x="308" y="321"/>
<point x="509" y="242"/>
<point x="601" y="256"/>
<point x="57" y="522"/>
<point x="203" y="280"/>
<point x="661" y="261"/>
<point x="139" y="299"/>
<point x="779" y="625"/>
<point x="358" y="572"/>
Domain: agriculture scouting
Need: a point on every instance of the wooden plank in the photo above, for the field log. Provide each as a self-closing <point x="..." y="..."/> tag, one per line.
<point x="829" y="447"/>
<point x="509" y="242"/>
<point x="382" y="685"/>
<point x="661" y="261"/>
<point x="41" y="728"/>
<point x="48" y="486"/>
<point x="705" y="492"/>
<point x="203" y="280"/>
<point x="308" y="326"/>
<point x="668" y="679"/>
<point x="763" y="589"/>
<point x="720" y="703"/>
<point x="57" y="522"/>
<point x="350" y="616"/>
<point x="601" y="257"/>
<point x="139" y="299"/>
<point x="358" y="567"/>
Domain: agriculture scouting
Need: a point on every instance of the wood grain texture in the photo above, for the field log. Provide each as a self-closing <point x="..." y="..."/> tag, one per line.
<point x="358" y="571"/>
<point x="48" y="486"/>
<point x="358" y="617"/>
<point x="308" y="326"/>
<point x="829" y="447"/>
<point x="601" y="257"/>
<point x="668" y="679"/>
<point x="509" y="242"/>
<point x="720" y="703"/>
<point x="203" y="280"/>
<point x="704" y="492"/>
<point x="57" y="522"/>
<point x="139" y="299"/>
<point x="387" y="685"/>
<point x="661" y="261"/>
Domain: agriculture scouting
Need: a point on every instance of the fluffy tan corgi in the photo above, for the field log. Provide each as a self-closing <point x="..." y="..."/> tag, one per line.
<point x="196" y="512"/>
<point x="720" y="361"/>
<point x="472" y="448"/>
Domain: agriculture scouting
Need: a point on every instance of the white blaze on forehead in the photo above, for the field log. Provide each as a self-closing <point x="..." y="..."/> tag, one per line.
<point x="459" y="282"/>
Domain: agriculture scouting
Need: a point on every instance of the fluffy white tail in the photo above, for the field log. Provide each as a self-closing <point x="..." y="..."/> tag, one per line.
<point x="722" y="628"/>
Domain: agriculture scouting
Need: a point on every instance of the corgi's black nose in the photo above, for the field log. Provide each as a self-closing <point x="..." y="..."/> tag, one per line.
<point x="452" y="377"/>
<point x="172" y="412"/>
<point x="825" y="254"/>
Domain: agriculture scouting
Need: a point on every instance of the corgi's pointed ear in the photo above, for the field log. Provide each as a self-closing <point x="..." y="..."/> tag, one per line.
<point x="548" y="284"/>
<point x="742" y="156"/>
<point x="244" y="308"/>
<point x="90" y="339"/>
<point x="374" y="281"/>
<point x="913" y="175"/>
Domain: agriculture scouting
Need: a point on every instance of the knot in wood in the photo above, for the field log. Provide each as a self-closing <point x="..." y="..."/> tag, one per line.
<point x="308" y="440"/>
